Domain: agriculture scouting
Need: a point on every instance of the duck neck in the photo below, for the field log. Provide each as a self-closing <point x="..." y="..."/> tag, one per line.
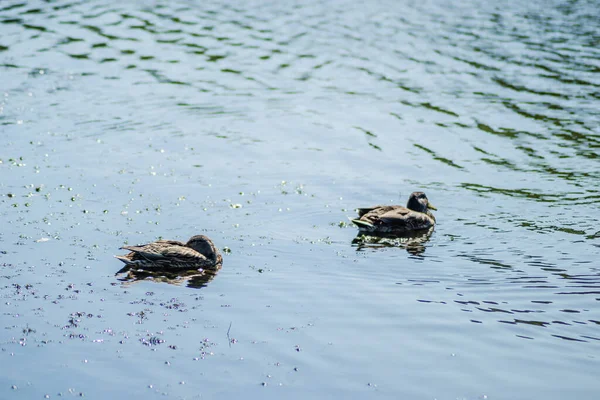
<point x="430" y="215"/>
<point x="213" y="254"/>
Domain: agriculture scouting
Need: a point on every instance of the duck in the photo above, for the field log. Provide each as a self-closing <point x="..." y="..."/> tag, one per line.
<point x="395" y="219"/>
<point x="198" y="253"/>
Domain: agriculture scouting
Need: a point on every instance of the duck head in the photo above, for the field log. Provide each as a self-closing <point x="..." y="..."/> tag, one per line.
<point x="419" y="202"/>
<point x="206" y="247"/>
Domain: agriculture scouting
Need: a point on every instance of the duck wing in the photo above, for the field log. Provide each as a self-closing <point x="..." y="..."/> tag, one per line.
<point x="166" y="250"/>
<point x="375" y="210"/>
<point x="402" y="217"/>
<point x="154" y="246"/>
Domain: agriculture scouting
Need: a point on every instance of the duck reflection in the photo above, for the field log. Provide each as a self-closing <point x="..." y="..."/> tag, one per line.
<point x="413" y="242"/>
<point x="193" y="279"/>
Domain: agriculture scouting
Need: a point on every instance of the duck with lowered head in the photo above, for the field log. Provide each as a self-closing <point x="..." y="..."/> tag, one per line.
<point x="397" y="219"/>
<point x="198" y="253"/>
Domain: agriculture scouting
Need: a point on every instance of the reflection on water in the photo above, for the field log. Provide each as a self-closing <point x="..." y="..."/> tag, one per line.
<point x="192" y="279"/>
<point x="414" y="242"/>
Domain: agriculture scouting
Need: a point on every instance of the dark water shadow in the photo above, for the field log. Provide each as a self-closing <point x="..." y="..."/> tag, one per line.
<point x="195" y="279"/>
<point x="414" y="242"/>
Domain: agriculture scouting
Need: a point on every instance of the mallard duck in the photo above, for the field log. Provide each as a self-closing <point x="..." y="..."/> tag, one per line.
<point x="397" y="219"/>
<point x="198" y="252"/>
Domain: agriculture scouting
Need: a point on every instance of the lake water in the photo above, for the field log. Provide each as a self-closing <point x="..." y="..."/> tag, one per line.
<point x="264" y="125"/>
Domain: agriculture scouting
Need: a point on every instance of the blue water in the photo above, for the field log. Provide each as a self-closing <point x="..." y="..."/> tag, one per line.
<point x="264" y="125"/>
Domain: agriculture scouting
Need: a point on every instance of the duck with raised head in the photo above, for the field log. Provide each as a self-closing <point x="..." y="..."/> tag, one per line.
<point x="397" y="219"/>
<point x="198" y="253"/>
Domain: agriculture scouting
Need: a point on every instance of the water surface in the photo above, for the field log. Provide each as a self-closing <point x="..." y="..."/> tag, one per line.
<point x="264" y="125"/>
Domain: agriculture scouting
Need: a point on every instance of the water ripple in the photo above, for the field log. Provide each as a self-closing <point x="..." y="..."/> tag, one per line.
<point x="154" y="118"/>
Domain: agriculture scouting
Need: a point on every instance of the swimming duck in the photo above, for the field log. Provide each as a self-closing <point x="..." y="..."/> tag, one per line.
<point x="397" y="219"/>
<point x="198" y="253"/>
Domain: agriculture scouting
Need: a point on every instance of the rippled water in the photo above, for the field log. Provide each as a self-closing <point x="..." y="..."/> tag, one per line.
<point x="264" y="125"/>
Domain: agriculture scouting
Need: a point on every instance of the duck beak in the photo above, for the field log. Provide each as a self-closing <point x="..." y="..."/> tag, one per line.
<point x="431" y="206"/>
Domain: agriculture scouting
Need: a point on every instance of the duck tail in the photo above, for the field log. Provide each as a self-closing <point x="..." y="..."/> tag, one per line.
<point x="124" y="259"/>
<point x="363" y="224"/>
